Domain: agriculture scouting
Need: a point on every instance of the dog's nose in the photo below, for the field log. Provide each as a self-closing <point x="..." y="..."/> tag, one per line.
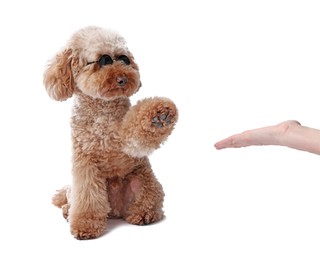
<point x="122" y="81"/>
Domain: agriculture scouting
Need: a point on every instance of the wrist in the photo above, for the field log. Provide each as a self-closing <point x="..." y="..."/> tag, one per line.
<point x="285" y="131"/>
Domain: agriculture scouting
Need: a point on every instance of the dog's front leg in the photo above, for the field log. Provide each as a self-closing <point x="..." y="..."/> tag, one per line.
<point x="89" y="203"/>
<point x="147" y="125"/>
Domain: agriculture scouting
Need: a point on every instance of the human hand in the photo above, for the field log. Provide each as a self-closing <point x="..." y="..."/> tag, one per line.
<point x="270" y="135"/>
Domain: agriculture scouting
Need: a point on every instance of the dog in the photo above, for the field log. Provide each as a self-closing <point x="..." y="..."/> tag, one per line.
<point x="111" y="139"/>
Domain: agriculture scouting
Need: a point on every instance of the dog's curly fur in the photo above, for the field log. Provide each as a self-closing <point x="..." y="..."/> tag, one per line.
<point x="111" y="173"/>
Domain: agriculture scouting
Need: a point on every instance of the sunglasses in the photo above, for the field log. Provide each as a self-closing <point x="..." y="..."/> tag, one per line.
<point x="107" y="60"/>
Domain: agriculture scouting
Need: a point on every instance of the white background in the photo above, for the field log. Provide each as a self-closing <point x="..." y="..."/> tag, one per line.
<point x="229" y="66"/>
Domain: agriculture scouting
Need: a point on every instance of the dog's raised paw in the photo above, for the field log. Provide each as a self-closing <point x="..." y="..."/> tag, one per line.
<point x="163" y="118"/>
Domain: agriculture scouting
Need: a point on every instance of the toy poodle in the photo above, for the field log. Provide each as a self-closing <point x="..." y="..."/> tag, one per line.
<point x="111" y="139"/>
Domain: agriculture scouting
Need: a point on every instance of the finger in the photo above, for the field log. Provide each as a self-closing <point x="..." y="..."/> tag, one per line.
<point x="234" y="141"/>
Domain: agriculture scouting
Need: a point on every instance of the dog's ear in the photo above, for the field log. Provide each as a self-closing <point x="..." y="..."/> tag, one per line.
<point x="58" y="78"/>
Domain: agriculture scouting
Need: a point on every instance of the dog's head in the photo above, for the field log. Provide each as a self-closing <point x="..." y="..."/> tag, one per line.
<point x="95" y="62"/>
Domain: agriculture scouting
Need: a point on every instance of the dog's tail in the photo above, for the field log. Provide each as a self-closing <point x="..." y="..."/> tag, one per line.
<point x="61" y="197"/>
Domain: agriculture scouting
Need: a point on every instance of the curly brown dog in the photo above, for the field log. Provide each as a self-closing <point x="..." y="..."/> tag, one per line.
<point x="111" y="173"/>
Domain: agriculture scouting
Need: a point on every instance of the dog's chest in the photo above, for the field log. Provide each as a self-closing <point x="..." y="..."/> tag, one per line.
<point x="96" y="133"/>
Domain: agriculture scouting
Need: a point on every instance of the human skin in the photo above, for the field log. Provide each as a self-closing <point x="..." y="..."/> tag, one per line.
<point x="288" y="133"/>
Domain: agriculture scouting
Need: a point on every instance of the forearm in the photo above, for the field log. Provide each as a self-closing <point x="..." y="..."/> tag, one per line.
<point x="302" y="138"/>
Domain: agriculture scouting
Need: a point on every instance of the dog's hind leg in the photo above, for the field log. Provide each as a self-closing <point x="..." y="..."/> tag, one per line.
<point x="145" y="197"/>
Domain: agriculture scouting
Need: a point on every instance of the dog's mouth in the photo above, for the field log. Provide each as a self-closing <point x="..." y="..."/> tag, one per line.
<point x="119" y="86"/>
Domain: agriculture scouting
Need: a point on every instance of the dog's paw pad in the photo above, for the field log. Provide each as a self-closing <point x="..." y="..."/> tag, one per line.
<point x="163" y="118"/>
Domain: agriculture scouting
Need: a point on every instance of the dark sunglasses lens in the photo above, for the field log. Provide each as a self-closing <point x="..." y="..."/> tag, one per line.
<point x="105" y="60"/>
<point x="124" y="59"/>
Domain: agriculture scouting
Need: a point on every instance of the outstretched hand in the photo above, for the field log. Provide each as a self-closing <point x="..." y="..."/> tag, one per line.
<point x="270" y="135"/>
